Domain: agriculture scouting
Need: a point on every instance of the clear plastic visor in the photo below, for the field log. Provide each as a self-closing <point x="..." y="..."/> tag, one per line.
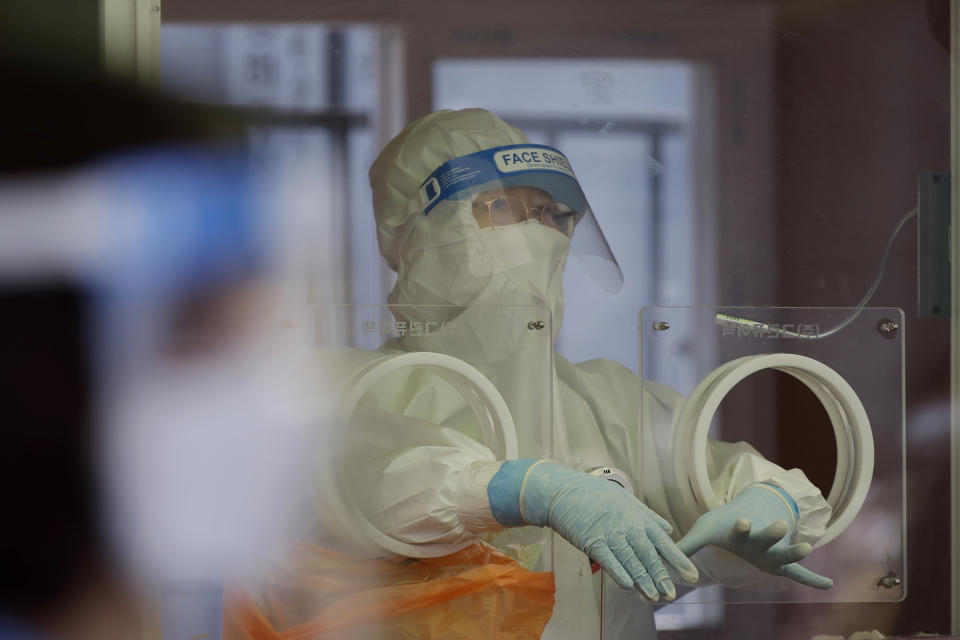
<point x="500" y="187"/>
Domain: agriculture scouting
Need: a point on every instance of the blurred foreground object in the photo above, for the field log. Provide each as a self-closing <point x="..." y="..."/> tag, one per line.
<point x="151" y="433"/>
<point x="199" y="433"/>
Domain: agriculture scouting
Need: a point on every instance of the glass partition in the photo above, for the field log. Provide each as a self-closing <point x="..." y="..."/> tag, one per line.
<point x="413" y="389"/>
<point x="819" y="389"/>
<point x="752" y="153"/>
<point x="508" y="347"/>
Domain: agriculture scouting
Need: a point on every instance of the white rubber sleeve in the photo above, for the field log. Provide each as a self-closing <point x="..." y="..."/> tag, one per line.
<point x="854" y="439"/>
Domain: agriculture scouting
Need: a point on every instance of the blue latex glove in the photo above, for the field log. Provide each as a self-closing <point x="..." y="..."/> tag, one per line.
<point x="757" y="525"/>
<point x="603" y="520"/>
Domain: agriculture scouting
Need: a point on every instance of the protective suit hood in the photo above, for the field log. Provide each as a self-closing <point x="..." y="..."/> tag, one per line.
<point x="469" y="213"/>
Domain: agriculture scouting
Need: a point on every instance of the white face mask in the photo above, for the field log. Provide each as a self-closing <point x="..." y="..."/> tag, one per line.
<point x="520" y="264"/>
<point x="533" y="257"/>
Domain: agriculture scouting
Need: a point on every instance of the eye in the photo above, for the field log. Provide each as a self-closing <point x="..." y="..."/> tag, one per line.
<point x="558" y="211"/>
<point x="506" y="210"/>
<point x="559" y="216"/>
<point x="502" y="206"/>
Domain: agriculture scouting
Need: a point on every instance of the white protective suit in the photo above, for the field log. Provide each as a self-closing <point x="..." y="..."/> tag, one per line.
<point x="424" y="475"/>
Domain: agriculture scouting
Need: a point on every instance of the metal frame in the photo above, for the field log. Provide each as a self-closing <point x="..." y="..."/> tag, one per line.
<point x="130" y="39"/>
<point x="955" y="314"/>
<point x="130" y="48"/>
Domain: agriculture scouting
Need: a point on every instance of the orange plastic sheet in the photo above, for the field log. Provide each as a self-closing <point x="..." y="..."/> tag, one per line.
<point x="477" y="593"/>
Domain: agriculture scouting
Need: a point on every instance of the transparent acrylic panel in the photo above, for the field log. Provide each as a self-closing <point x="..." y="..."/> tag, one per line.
<point x="510" y="346"/>
<point x="784" y="197"/>
<point x="412" y="390"/>
<point x="780" y="415"/>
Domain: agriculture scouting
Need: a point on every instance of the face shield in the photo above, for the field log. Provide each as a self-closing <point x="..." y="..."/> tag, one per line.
<point x="505" y="187"/>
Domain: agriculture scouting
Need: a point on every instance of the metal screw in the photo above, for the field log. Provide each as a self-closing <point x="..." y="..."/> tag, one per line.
<point x="661" y="326"/>
<point x="889" y="581"/>
<point x="536" y="325"/>
<point x="888" y="328"/>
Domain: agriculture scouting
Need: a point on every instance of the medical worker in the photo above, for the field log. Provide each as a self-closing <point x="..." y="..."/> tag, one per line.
<point x="470" y="213"/>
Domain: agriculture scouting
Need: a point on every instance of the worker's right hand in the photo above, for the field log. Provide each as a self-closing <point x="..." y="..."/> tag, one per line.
<point x="600" y="518"/>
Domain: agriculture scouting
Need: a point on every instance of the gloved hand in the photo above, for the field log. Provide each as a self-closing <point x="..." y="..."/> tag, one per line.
<point x="757" y="526"/>
<point x="601" y="519"/>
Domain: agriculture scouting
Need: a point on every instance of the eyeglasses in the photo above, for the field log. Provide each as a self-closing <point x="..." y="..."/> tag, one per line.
<point x="507" y="210"/>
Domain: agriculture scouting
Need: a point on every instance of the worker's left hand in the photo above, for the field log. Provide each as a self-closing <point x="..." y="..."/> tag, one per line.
<point x="756" y="525"/>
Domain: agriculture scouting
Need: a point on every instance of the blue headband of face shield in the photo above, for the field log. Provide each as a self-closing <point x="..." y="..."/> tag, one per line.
<point x="516" y="165"/>
<point x="528" y="165"/>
